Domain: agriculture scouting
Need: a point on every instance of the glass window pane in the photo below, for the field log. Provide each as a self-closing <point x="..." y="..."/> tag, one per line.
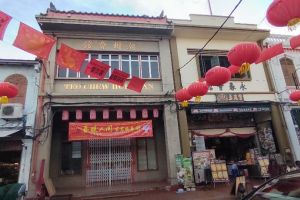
<point x="151" y="154"/>
<point x="154" y="70"/>
<point x="72" y="74"/>
<point x="153" y="57"/>
<point x="94" y="56"/>
<point x="135" y="71"/>
<point x="107" y="74"/>
<point x="134" y="57"/>
<point x="114" y="57"/>
<point x="125" y="57"/>
<point x="142" y="154"/>
<point x="214" y="61"/>
<point x="144" y="57"/>
<point x="104" y="57"/>
<point x="62" y="72"/>
<point x="224" y="61"/>
<point x="125" y="67"/>
<point x="145" y="70"/>
<point x="114" y="65"/>
<point x="82" y="70"/>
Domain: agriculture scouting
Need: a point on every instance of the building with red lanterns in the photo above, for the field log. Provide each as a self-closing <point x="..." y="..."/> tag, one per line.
<point x="99" y="137"/>
<point x="238" y="118"/>
<point x="19" y="80"/>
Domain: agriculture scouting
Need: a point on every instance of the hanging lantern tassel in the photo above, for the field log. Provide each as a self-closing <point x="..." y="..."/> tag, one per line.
<point x="298" y="102"/>
<point x="293" y="23"/>
<point x="184" y="104"/>
<point x="244" y="68"/>
<point x="198" y="99"/>
<point x="3" y="100"/>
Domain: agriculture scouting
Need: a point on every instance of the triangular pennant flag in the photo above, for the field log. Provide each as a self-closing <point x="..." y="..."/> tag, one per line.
<point x="295" y="42"/>
<point x="70" y="58"/>
<point x="96" y="69"/>
<point x="269" y="53"/>
<point x="136" y="84"/>
<point x="4" y="21"/>
<point x="118" y="77"/>
<point x="33" y="41"/>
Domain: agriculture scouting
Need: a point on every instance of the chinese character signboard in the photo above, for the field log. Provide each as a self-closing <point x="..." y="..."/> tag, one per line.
<point x="229" y="97"/>
<point x="105" y="130"/>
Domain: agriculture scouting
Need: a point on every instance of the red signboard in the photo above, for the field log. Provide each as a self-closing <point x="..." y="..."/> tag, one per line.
<point x="106" y="130"/>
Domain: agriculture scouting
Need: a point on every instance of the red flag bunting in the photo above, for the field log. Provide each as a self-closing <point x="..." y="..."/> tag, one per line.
<point x="4" y="21"/>
<point x="70" y="58"/>
<point x="97" y="69"/>
<point x="295" y="41"/>
<point x="118" y="77"/>
<point x="136" y="84"/>
<point x="271" y="52"/>
<point x="33" y="41"/>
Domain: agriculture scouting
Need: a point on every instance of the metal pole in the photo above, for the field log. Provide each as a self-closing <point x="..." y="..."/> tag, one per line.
<point x="209" y="6"/>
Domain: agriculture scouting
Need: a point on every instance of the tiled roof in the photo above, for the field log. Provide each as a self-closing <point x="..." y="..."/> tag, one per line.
<point x="51" y="13"/>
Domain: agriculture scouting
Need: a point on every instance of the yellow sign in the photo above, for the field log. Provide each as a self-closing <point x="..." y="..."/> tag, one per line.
<point x="101" y="86"/>
<point x="108" y="44"/>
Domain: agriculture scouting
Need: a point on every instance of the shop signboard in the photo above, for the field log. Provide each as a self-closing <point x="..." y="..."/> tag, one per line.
<point x="237" y="109"/>
<point x="201" y="161"/>
<point x="188" y="175"/>
<point x="229" y="97"/>
<point x="200" y="143"/>
<point x="219" y="171"/>
<point x="105" y="130"/>
<point x="263" y="164"/>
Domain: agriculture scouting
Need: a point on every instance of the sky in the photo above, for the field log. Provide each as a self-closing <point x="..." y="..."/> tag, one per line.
<point x="249" y="11"/>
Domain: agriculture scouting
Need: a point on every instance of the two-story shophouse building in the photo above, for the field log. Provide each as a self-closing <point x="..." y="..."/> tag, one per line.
<point x="138" y="45"/>
<point x="17" y="120"/>
<point x="285" y="72"/>
<point x="237" y="116"/>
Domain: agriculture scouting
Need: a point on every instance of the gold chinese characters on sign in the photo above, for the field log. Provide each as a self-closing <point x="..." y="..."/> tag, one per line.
<point x="109" y="45"/>
<point x="229" y="97"/>
<point x="101" y="86"/>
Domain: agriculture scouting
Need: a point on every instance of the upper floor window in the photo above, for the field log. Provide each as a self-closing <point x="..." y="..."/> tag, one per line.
<point x="209" y="61"/>
<point x="143" y="66"/>
<point x="288" y="69"/>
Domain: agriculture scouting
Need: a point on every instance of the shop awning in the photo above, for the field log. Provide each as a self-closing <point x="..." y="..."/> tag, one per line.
<point x="228" y="132"/>
<point x="8" y="132"/>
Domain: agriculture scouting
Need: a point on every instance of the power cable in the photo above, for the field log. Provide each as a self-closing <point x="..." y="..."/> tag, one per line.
<point x="212" y="37"/>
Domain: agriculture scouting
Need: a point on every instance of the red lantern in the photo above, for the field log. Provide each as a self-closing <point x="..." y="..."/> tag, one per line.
<point x="217" y="76"/>
<point x="198" y="89"/>
<point x="243" y="55"/>
<point x="233" y="69"/>
<point x="284" y="13"/>
<point x="8" y="89"/>
<point x="183" y="96"/>
<point x="295" y="96"/>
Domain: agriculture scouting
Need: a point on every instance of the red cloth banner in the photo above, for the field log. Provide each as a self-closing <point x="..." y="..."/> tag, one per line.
<point x="70" y="58"/>
<point x="4" y="21"/>
<point x="97" y="69"/>
<point x="106" y="130"/>
<point x="295" y="42"/>
<point x="269" y="53"/>
<point x="33" y="41"/>
<point x="118" y="77"/>
<point x="136" y="84"/>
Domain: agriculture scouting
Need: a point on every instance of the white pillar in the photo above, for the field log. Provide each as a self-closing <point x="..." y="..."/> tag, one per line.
<point x="25" y="161"/>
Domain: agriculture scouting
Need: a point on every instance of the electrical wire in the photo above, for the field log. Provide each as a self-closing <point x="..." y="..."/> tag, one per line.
<point x="212" y="37"/>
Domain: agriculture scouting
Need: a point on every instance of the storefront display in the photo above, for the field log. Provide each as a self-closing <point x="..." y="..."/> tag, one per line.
<point x="219" y="171"/>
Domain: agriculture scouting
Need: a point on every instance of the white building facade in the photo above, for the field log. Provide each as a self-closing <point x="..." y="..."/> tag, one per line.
<point x="285" y="72"/>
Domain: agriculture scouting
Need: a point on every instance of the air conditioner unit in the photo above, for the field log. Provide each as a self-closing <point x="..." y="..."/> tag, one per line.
<point x="11" y="111"/>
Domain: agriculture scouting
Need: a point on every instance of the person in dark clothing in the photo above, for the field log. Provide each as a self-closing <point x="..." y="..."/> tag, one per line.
<point x="273" y="168"/>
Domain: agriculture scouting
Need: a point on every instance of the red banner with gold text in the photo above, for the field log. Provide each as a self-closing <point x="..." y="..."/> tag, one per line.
<point x="106" y="130"/>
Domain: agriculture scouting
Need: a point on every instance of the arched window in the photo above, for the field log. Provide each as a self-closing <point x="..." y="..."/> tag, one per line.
<point x="21" y="82"/>
<point x="288" y="68"/>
